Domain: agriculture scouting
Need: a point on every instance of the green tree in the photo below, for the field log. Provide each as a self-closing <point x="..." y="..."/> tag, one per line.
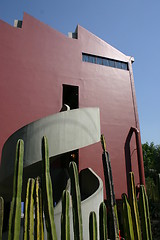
<point x="151" y="157"/>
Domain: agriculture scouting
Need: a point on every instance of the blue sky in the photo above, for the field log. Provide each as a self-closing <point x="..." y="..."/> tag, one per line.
<point x="130" y="26"/>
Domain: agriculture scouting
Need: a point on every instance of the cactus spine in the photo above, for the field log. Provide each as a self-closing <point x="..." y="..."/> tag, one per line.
<point x="127" y="218"/>
<point x="111" y="201"/>
<point x="103" y="221"/>
<point x="65" y="220"/>
<point x="39" y="230"/>
<point x="76" y="201"/>
<point x="144" y="214"/>
<point x="47" y="192"/>
<point x="29" y="211"/>
<point x="134" y="207"/>
<point x="1" y="216"/>
<point x="15" y="211"/>
<point x="93" y="226"/>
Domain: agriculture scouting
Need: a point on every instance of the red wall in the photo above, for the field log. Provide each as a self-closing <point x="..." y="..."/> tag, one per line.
<point x="34" y="63"/>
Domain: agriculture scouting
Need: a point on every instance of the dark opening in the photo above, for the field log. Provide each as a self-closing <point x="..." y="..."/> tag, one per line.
<point x="59" y="165"/>
<point x="71" y="96"/>
<point x="60" y="172"/>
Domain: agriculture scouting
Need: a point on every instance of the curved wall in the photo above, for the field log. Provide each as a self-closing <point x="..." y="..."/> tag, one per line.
<point x="65" y="131"/>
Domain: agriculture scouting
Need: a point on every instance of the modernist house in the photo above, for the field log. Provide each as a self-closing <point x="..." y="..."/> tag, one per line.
<point x="42" y="69"/>
<point x="70" y="88"/>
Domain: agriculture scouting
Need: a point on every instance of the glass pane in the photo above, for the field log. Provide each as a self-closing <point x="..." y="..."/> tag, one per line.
<point x="105" y="62"/>
<point x="89" y="59"/>
<point x="85" y="58"/>
<point x="118" y="65"/>
<point x="94" y="59"/>
<point x="99" y="60"/>
<point x="124" y="66"/>
<point x="111" y="63"/>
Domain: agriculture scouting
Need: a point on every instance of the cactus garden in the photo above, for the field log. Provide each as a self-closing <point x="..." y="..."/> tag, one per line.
<point x="130" y="222"/>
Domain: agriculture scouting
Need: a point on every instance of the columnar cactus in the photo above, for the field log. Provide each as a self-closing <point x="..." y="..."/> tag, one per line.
<point x="92" y="226"/>
<point x="134" y="207"/>
<point x="65" y="220"/>
<point x="111" y="201"/>
<point x="47" y="192"/>
<point x="148" y="214"/>
<point x="15" y="211"/>
<point x="127" y="219"/>
<point x="76" y="201"/>
<point x="144" y="214"/>
<point x="1" y="216"/>
<point x="103" y="222"/>
<point x="39" y="228"/>
<point x="29" y="211"/>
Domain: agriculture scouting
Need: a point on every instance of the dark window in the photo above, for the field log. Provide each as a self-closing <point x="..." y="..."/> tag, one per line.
<point x="104" y="61"/>
<point x="71" y="96"/>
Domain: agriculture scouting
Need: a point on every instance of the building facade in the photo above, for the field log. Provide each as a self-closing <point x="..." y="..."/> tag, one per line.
<point x="42" y="69"/>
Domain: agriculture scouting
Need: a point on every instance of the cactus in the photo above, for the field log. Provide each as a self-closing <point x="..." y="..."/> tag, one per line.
<point x="144" y="214"/>
<point x="65" y="220"/>
<point x="15" y="211"/>
<point x="148" y="214"/>
<point x="76" y="201"/>
<point x="47" y="192"/>
<point x="1" y="216"/>
<point x="103" y="221"/>
<point x="92" y="226"/>
<point x="111" y="201"/>
<point x="29" y="211"/>
<point x="134" y="207"/>
<point x="127" y="218"/>
<point x="39" y="228"/>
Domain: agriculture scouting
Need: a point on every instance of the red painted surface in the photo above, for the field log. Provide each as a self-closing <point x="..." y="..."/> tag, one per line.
<point x="34" y="63"/>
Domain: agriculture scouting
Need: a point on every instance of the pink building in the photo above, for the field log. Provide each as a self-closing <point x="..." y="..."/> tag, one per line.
<point x="42" y="69"/>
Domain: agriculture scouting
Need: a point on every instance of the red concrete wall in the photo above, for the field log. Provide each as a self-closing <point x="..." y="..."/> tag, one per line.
<point x="34" y="63"/>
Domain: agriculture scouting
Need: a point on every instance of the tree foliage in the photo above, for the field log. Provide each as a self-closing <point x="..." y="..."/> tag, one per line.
<point x="151" y="157"/>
